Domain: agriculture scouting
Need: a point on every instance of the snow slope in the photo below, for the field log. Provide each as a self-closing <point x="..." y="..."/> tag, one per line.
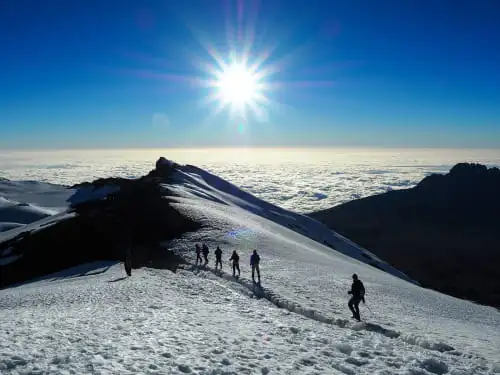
<point x="42" y="194"/>
<point x="21" y="213"/>
<point x="44" y="200"/>
<point x="195" y="321"/>
<point x="19" y="229"/>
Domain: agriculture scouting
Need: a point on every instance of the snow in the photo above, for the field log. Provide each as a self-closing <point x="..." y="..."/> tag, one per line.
<point x="45" y="200"/>
<point x="91" y="193"/>
<point x="21" y="213"/>
<point x="41" y="194"/>
<point x="194" y="182"/>
<point x="93" y="319"/>
<point x="5" y="226"/>
<point x="36" y="225"/>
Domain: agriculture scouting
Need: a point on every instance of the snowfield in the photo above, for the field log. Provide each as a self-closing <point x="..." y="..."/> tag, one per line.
<point x="92" y="320"/>
<point x="42" y="194"/>
<point x="24" y="202"/>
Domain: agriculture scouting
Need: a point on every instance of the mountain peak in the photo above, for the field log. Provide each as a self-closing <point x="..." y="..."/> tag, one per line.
<point x="463" y="177"/>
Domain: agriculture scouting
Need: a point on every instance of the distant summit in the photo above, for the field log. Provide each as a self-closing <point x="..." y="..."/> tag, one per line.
<point x="444" y="232"/>
<point x="463" y="179"/>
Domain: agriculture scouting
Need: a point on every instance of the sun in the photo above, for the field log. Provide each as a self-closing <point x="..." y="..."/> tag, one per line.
<point x="237" y="86"/>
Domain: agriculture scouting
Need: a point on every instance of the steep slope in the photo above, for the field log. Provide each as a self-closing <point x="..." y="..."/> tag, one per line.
<point x="196" y="320"/>
<point x="199" y="183"/>
<point x="443" y="233"/>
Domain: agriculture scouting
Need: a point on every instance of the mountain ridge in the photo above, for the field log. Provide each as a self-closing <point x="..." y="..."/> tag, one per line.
<point x="442" y="233"/>
<point x="100" y="211"/>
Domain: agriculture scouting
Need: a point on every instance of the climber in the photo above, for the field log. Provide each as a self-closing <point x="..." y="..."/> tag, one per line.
<point x="236" y="262"/>
<point x="218" y="258"/>
<point x="205" y="253"/>
<point x="358" y="294"/>
<point x="198" y="253"/>
<point x="254" y="263"/>
<point x="128" y="261"/>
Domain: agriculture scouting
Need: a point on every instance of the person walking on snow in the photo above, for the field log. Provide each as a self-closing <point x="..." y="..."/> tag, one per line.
<point x="218" y="258"/>
<point x="205" y="252"/>
<point x="358" y="294"/>
<point x="198" y="253"/>
<point x="254" y="262"/>
<point x="236" y="263"/>
<point x="127" y="262"/>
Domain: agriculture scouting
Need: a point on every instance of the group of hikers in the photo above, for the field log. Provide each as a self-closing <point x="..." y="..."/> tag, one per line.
<point x="357" y="291"/>
<point x="235" y="260"/>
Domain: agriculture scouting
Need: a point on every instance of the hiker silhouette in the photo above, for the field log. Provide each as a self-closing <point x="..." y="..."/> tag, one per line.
<point x="254" y="263"/>
<point x="235" y="258"/>
<point x="218" y="258"/>
<point x="205" y="252"/>
<point x="198" y="253"/>
<point x="358" y="294"/>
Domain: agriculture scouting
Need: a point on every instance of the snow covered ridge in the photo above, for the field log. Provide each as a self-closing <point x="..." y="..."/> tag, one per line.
<point x="195" y="320"/>
<point x="197" y="182"/>
<point x="103" y="219"/>
<point x="24" y="202"/>
<point x="170" y="174"/>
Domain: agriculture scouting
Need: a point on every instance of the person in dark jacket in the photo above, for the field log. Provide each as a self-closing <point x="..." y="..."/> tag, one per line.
<point x="235" y="258"/>
<point x="128" y="261"/>
<point x="218" y="258"/>
<point x="254" y="263"/>
<point x="205" y="252"/>
<point x="198" y="253"/>
<point x="358" y="294"/>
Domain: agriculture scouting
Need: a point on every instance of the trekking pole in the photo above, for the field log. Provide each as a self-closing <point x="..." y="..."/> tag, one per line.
<point x="370" y="310"/>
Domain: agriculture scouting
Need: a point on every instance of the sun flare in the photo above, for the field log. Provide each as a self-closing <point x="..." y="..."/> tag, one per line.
<point x="237" y="85"/>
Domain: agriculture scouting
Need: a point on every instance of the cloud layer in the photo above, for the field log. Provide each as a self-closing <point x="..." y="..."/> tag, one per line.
<point x="299" y="180"/>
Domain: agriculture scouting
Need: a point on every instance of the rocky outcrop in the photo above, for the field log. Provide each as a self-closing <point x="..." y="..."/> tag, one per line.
<point x="442" y="233"/>
<point x="134" y="215"/>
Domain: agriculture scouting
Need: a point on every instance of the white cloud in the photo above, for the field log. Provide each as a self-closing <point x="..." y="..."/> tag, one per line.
<point x="299" y="180"/>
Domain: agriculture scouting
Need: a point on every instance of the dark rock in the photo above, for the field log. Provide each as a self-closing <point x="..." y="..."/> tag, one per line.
<point x="136" y="216"/>
<point x="442" y="233"/>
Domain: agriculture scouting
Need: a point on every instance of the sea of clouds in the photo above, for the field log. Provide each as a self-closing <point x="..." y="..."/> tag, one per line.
<point x="302" y="180"/>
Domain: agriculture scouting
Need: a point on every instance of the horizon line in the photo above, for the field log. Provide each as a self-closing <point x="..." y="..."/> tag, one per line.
<point x="239" y="147"/>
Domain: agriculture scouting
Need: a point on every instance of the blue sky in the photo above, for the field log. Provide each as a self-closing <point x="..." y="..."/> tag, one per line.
<point x="84" y="74"/>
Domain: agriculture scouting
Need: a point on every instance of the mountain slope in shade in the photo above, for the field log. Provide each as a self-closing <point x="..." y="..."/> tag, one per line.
<point x="443" y="233"/>
<point x="195" y="320"/>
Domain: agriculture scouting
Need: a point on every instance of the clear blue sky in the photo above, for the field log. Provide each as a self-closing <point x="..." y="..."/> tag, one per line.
<point x="118" y="73"/>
